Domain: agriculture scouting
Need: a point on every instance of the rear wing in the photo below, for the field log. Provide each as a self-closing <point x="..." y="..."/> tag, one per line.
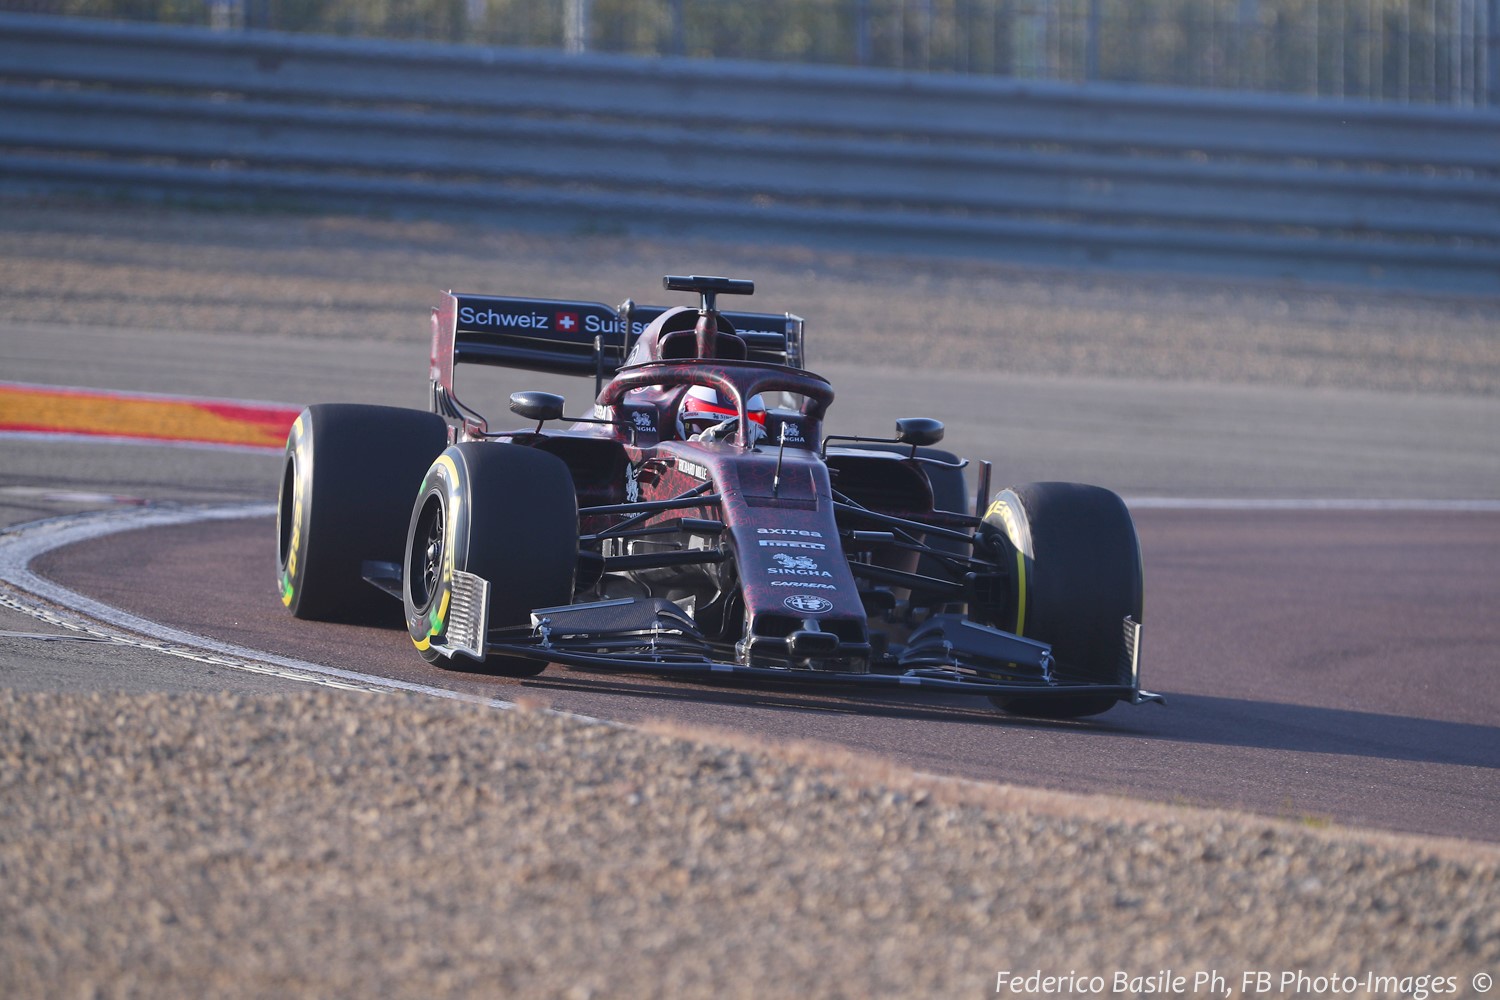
<point x="772" y="337"/>
<point x="564" y="337"/>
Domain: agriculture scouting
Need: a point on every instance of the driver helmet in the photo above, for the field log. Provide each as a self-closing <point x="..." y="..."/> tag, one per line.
<point x="703" y="407"/>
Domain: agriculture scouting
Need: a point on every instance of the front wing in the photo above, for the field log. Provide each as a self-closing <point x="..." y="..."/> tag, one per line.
<point x="640" y="635"/>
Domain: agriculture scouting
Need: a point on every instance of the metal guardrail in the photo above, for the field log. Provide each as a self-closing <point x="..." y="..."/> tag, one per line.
<point x="1129" y="177"/>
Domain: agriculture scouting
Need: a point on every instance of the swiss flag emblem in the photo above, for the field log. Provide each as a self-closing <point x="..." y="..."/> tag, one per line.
<point x="567" y="322"/>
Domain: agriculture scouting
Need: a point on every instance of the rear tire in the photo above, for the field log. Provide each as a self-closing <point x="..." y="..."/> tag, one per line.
<point x="1079" y="572"/>
<point x="503" y="512"/>
<point x="346" y="487"/>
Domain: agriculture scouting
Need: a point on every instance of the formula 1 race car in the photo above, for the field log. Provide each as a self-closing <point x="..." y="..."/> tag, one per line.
<point x="698" y="520"/>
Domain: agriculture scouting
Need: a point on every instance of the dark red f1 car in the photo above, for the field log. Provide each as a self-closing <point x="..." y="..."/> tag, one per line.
<point x="700" y="521"/>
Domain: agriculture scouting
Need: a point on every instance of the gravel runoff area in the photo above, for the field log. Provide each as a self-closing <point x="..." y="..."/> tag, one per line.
<point x="336" y="844"/>
<point x="82" y="264"/>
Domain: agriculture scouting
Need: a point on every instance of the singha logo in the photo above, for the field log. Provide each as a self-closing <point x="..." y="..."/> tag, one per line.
<point x="796" y="566"/>
<point x="632" y="484"/>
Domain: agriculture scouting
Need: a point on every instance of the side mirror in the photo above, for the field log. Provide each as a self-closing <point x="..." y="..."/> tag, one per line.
<point x="537" y="405"/>
<point x="918" y="431"/>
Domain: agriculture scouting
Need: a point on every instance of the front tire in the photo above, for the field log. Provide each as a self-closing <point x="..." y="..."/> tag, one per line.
<point x="1076" y="576"/>
<point x="346" y="486"/>
<point x="503" y="512"/>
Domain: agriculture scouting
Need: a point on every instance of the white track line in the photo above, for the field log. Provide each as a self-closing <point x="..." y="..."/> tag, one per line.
<point x="1334" y="504"/>
<point x="51" y="436"/>
<point x="21" y="544"/>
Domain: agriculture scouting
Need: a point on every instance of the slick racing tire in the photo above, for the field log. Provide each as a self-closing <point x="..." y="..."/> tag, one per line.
<point x="346" y="488"/>
<point x="503" y="512"/>
<point x="1077" y="564"/>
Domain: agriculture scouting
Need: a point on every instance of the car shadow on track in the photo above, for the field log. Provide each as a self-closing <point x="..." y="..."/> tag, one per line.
<point x="1186" y="719"/>
<point x="822" y="699"/>
<point x="1312" y="729"/>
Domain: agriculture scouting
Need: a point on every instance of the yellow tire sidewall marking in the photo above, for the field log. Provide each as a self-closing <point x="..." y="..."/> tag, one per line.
<point x="438" y="618"/>
<point x="1021" y="542"/>
<point x="299" y="497"/>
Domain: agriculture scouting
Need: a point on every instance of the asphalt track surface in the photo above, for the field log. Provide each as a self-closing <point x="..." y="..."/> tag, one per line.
<point x="1372" y="709"/>
<point x="1324" y="663"/>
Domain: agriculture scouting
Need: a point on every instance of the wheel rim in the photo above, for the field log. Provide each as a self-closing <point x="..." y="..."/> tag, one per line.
<point x="428" y="541"/>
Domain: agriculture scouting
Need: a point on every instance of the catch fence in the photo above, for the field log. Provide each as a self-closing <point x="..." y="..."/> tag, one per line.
<point x="1124" y="176"/>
